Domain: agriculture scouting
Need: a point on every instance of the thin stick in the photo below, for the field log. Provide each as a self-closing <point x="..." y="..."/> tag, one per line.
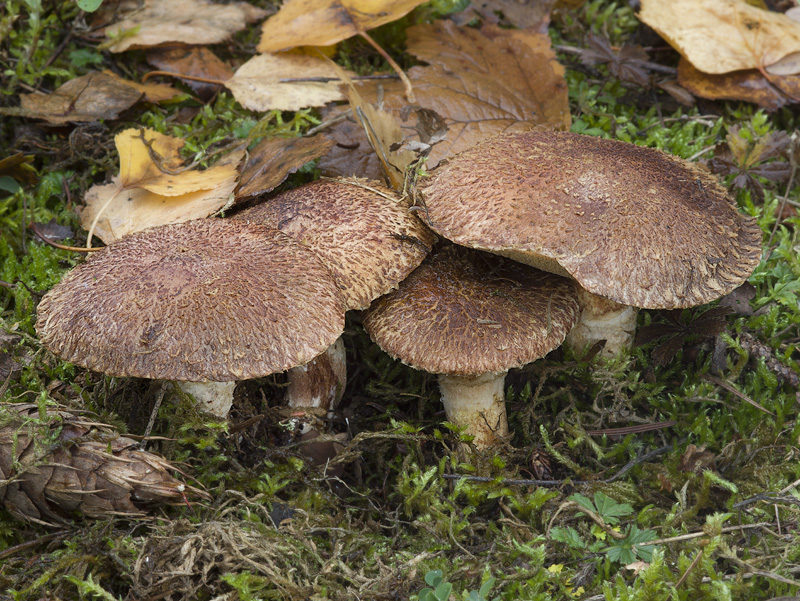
<point x="682" y="537"/>
<point x="119" y="189"/>
<point x="39" y="234"/>
<point x="516" y="482"/>
<point x="722" y="383"/>
<point x="216" y="82"/>
<point x="406" y="82"/>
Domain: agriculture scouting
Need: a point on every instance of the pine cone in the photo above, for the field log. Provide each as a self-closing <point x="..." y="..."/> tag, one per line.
<point x="67" y="465"/>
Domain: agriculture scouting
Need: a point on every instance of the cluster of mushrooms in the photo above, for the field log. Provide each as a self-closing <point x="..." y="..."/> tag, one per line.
<point x="546" y="235"/>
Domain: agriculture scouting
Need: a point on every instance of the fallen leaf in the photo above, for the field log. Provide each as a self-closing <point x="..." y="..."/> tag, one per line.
<point x="482" y="82"/>
<point x="624" y="64"/>
<point x="271" y="161"/>
<point x="522" y="14"/>
<point x="152" y="92"/>
<point x="383" y="133"/>
<point x="187" y="21"/>
<point x="146" y="194"/>
<point x="91" y="97"/>
<point x="749" y="85"/>
<point x="720" y="36"/>
<point x="53" y="231"/>
<point x="351" y="154"/>
<point x="326" y="22"/>
<point x="195" y="61"/>
<point x="257" y="84"/>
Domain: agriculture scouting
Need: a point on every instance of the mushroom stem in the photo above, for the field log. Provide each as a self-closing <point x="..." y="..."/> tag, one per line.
<point x="320" y="382"/>
<point x="603" y="319"/>
<point x="215" y="398"/>
<point x="477" y="404"/>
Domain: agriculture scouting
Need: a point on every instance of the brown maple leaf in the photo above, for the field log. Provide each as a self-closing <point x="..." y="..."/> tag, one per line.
<point x="747" y="157"/>
<point x="682" y="327"/>
<point x="624" y="64"/>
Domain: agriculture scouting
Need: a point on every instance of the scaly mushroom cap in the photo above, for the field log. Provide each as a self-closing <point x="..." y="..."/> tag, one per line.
<point x="206" y="300"/>
<point x="368" y="239"/>
<point x="466" y="313"/>
<point x="635" y="225"/>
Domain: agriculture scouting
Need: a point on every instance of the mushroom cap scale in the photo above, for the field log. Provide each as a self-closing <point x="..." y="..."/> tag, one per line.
<point x="205" y="300"/>
<point x="363" y="233"/>
<point x="632" y="224"/>
<point x="466" y="313"/>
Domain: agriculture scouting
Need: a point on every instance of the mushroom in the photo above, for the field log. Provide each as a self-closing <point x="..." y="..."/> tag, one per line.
<point x="470" y="317"/>
<point x="201" y="301"/>
<point x="367" y="238"/>
<point x="636" y="227"/>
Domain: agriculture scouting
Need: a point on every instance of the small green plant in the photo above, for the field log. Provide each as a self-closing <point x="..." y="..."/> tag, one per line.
<point x="607" y="513"/>
<point x="439" y="589"/>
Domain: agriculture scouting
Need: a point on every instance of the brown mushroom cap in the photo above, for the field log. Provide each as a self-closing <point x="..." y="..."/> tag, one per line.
<point x="368" y="239"/>
<point x="632" y="224"/>
<point x="466" y="313"/>
<point x="206" y="300"/>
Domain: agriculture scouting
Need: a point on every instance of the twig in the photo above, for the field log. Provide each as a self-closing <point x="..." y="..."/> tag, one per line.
<point x="216" y="82"/>
<point x="516" y="482"/>
<point x="31" y="543"/>
<point x="78" y="249"/>
<point x="646" y="64"/>
<point x="403" y="77"/>
<point x="723" y="384"/>
<point x="682" y="537"/>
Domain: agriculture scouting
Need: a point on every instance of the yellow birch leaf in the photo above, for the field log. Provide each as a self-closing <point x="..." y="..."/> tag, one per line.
<point x="326" y="22"/>
<point x="720" y="36"/>
<point x="138" y="170"/>
<point x="257" y="85"/>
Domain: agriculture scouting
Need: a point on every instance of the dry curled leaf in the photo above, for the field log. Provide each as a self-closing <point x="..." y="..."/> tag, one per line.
<point x="480" y="82"/>
<point x="85" y="469"/>
<point x="195" y="61"/>
<point x="154" y="189"/>
<point x="272" y="160"/>
<point x="326" y="22"/>
<point x="257" y="84"/>
<point x="187" y="21"/>
<point x="90" y="97"/>
<point x="720" y="36"/>
<point x="749" y="85"/>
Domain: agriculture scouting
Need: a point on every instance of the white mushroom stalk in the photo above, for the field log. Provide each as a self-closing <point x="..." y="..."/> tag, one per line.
<point x="478" y="405"/>
<point x="603" y="319"/>
<point x="470" y="317"/>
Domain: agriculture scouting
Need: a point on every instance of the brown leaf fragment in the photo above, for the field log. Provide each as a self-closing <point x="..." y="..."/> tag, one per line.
<point x="53" y="231"/>
<point x="351" y="154"/>
<point x="90" y="97"/>
<point x="696" y="459"/>
<point x="748" y="85"/>
<point x="739" y="299"/>
<point x="153" y="92"/>
<point x="257" y="84"/>
<point x="67" y="466"/>
<point x="522" y="14"/>
<point x="188" y="21"/>
<point x="326" y="22"/>
<point x="195" y="61"/>
<point x="272" y="160"/>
